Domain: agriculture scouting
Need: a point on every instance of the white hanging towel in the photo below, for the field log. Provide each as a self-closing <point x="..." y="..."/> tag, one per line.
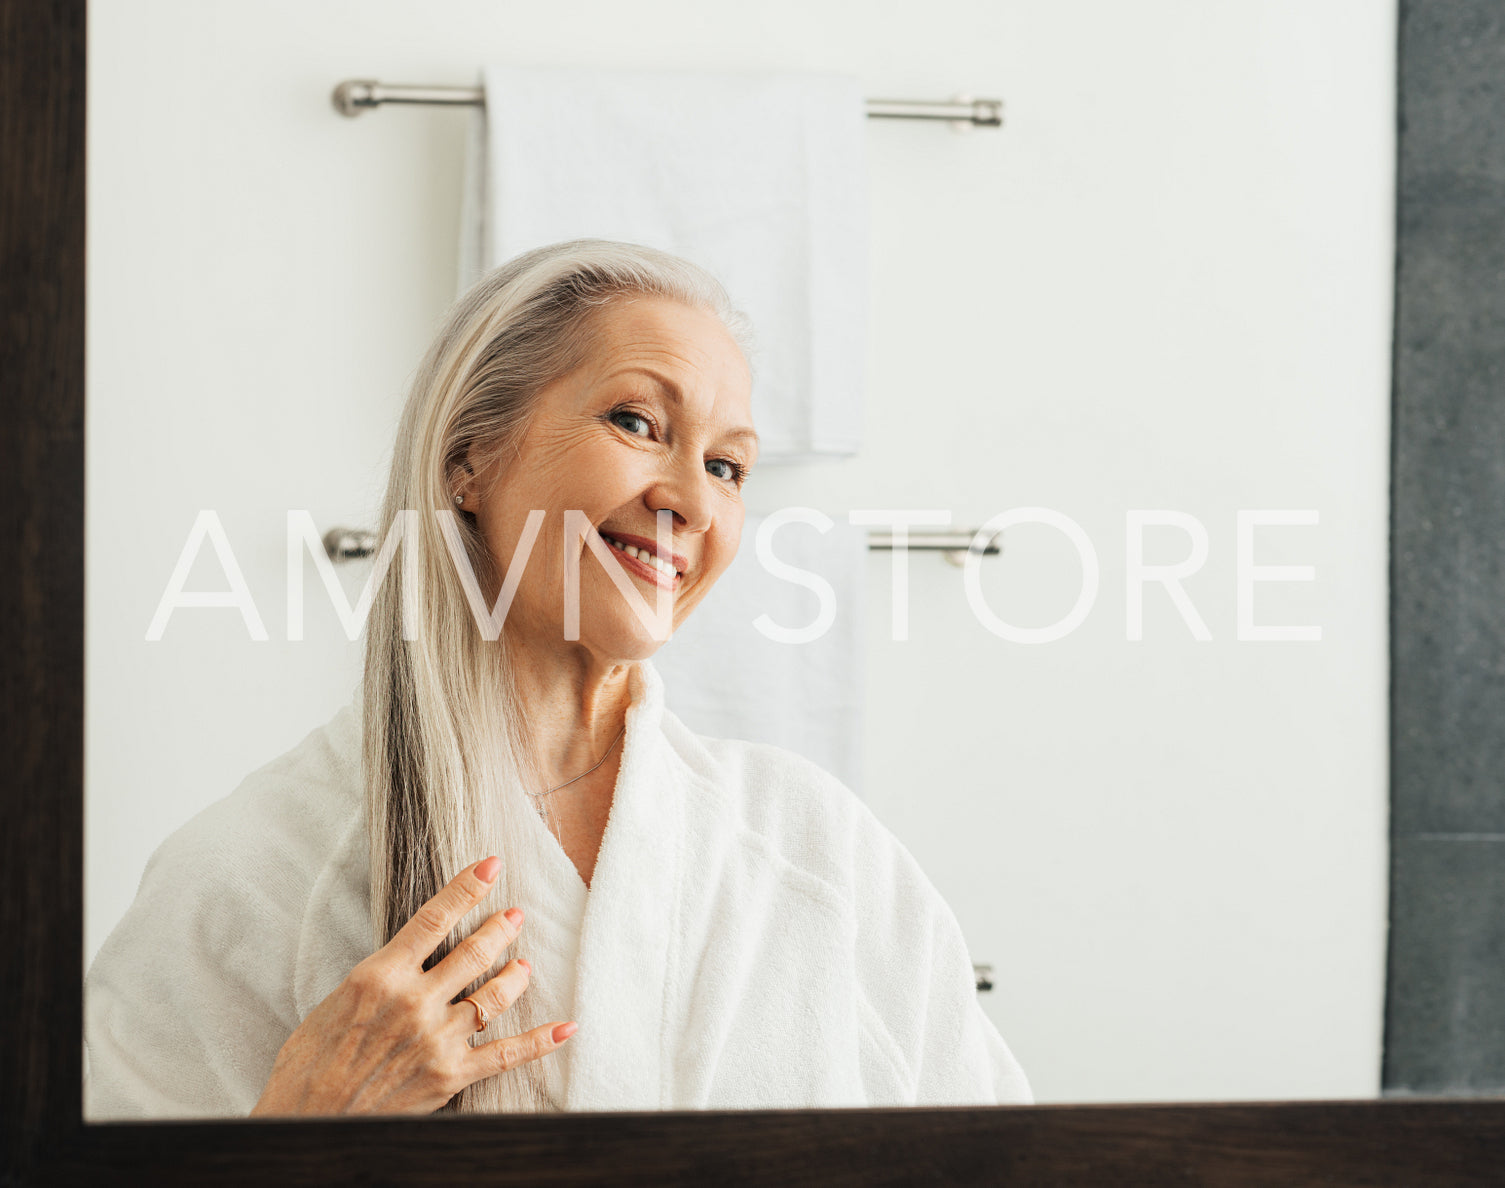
<point x="726" y="678"/>
<point x="759" y="177"/>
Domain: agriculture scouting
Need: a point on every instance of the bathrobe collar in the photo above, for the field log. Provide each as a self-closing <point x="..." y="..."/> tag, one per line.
<point x="628" y="925"/>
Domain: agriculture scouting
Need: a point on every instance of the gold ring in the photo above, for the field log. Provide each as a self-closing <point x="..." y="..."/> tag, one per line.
<point x="482" y="1018"/>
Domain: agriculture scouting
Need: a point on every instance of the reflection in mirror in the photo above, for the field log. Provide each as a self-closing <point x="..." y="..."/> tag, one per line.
<point x="647" y="754"/>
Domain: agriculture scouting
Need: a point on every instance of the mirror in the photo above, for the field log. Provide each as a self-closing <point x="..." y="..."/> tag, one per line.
<point x="1156" y="302"/>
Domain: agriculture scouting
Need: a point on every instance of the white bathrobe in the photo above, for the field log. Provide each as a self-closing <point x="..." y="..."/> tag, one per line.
<point x="753" y="938"/>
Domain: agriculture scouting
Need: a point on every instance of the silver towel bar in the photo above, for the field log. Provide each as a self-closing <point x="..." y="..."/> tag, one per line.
<point x="354" y="544"/>
<point x="356" y="95"/>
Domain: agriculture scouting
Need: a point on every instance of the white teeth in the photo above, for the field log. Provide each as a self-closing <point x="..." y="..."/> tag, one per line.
<point x="643" y="555"/>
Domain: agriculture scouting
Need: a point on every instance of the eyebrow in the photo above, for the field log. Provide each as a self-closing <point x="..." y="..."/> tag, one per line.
<point x="672" y="391"/>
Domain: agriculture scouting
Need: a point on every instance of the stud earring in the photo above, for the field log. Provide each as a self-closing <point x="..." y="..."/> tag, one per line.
<point x="459" y="499"/>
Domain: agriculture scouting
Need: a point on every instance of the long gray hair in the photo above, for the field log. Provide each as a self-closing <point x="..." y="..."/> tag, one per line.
<point x="447" y="751"/>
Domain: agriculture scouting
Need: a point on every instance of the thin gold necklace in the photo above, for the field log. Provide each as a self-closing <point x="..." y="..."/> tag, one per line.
<point x="538" y="796"/>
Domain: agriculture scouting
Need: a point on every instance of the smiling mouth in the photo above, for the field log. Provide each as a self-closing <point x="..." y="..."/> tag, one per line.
<point x="644" y="557"/>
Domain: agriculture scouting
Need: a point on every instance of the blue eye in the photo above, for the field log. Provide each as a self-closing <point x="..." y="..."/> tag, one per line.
<point x="628" y="414"/>
<point x="737" y="473"/>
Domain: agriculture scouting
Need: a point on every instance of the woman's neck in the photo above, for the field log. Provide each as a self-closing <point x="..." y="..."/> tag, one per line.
<point x="576" y="707"/>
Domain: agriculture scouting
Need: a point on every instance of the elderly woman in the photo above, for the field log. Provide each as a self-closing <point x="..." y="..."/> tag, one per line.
<point x="507" y="836"/>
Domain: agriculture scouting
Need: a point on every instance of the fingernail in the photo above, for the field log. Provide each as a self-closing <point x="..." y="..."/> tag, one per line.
<point x="564" y="1031"/>
<point x="488" y="869"/>
<point x="515" y="915"/>
<point x="523" y="961"/>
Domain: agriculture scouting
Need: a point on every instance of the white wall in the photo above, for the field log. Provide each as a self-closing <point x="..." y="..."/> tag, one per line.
<point x="1164" y="284"/>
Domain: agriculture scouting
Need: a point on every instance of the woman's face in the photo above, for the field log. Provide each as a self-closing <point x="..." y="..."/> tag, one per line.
<point x="657" y="417"/>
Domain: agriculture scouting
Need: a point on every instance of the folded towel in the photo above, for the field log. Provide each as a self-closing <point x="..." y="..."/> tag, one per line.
<point x="759" y="177"/>
<point x="727" y="679"/>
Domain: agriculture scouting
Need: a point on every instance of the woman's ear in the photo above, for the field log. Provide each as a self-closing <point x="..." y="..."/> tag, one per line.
<point x="462" y="487"/>
<point x="471" y="477"/>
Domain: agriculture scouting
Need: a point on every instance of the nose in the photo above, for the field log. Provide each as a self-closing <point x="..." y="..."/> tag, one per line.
<point x="685" y="489"/>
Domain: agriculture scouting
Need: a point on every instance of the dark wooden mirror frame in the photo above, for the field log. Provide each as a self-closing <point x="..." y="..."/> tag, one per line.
<point x="1434" y="1141"/>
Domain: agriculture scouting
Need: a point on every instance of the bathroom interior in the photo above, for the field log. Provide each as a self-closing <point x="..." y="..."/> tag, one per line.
<point x="1154" y="298"/>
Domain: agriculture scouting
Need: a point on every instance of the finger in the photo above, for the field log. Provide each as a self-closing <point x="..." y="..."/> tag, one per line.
<point x="495" y="996"/>
<point x="419" y="937"/>
<point x="475" y="956"/>
<point x="487" y="1060"/>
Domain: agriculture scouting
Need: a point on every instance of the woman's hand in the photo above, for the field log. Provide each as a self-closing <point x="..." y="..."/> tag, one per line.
<point x="389" y="1040"/>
